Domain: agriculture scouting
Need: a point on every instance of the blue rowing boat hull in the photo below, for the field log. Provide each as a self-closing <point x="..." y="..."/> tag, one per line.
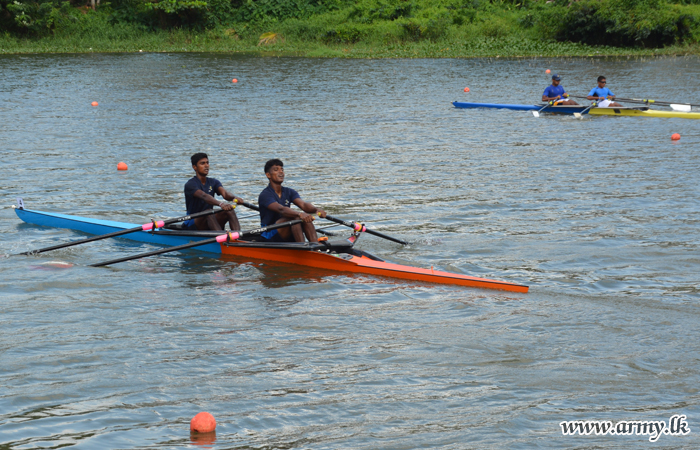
<point x="98" y="227"/>
<point x="549" y="109"/>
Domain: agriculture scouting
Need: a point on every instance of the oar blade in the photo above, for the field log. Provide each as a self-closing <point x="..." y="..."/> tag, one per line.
<point x="536" y="113"/>
<point x="678" y="107"/>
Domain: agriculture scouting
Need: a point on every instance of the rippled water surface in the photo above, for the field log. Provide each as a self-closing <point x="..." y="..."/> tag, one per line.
<point x="599" y="216"/>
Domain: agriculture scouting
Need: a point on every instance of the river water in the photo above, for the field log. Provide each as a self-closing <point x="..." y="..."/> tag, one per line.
<point x="599" y="216"/>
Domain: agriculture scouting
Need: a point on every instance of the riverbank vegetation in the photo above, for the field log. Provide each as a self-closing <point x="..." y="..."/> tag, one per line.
<point x="354" y="28"/>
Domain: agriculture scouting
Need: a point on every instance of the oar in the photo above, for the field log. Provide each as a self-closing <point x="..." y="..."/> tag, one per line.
<point x="360" y="227"/>
<point x="355" y="226"/>
<point x="537" y="113"/>
<point x="672" y="104"/>
<point x="579" y="115"/>
<point x="686" y="107"/>
<point x="248" y="205"/>
<point x="228" y="237"/>
<point x="146" y="227"/>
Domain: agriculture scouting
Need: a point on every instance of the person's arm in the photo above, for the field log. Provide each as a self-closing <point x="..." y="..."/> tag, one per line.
<point x="286" y="212"/>
<point x="200" y="194"/>
<point x="310" y="210"/>
<point x="228" y="196"/>
<point x="591" y="95"/>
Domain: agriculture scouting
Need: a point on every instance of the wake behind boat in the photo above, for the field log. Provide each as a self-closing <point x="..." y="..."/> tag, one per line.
<point x="336" y="255"/>
<point x="641" y="111"/>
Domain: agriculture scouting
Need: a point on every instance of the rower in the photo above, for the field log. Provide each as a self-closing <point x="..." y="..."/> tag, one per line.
<point x="605" y="97"/>
<point x="556" y="93"/>
<point x="199" y="196"/>
<point x="275" y="202"/>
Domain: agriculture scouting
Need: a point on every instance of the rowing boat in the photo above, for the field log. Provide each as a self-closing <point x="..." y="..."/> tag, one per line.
<point x="336" y="255"/>
<point x="642" y="111"/>
<point x="556" y="109"/>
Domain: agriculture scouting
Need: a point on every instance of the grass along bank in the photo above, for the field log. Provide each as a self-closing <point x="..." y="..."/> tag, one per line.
<point x="394" y="29"/>
<point x="218" y="41"/>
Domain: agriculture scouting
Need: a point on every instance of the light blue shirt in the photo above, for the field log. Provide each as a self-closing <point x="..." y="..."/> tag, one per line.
<point x="601" y="92"/>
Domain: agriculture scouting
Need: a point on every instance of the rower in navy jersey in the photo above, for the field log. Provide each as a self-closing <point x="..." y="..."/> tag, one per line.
<point x="199" y="196"/>
<point x="275" y="204"/>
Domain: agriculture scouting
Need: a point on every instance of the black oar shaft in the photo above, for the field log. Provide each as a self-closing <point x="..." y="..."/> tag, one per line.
<point x="658" y="102"/>
<point x="249" y="206"/>
<point x="354" y="226"/>
<point x="196" y="244"/>
<point x="120" y="233"/>
<point x="645" y="101"/>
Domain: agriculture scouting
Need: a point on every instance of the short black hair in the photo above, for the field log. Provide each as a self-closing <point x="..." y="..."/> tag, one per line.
<point x="198" y="157"/>
<point x="273" y="162"/>
<point x="601" y="78"/>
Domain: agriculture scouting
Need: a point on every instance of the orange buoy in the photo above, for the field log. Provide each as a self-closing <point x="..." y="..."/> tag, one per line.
<point x="122" y="166"/>
<point x="202" y="423"/>
<point x="547" y="71"/>
<point x="675" y="136"/>
<point x="466" y="89"/>
<point x="94" y="103"/>
<point x="235" y="80"/>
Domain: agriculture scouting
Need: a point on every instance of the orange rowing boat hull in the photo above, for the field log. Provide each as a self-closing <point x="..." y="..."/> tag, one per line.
<point x="362" y="264"/>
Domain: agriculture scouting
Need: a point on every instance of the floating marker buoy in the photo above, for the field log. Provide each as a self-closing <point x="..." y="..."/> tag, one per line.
<point x="547" y="71"/>
<point x="94" y="103"/>
<point x="202" y="423"/>
<point x="122" y="166"/>
<point x="466" y="89"/>
<point x="675" y="136"/>
<point x="235" y="80"/>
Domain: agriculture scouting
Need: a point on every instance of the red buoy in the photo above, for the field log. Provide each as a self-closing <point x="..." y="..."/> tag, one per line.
<point x="203" y="423"/>
<point x="94" y="103"/>
<point x="122" y="166"/>
<point x="235" y="80"/>
<point x="466" y="89"/>
<point x="675" y="136"/>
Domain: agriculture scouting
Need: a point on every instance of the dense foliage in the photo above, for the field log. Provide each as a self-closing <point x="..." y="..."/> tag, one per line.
<point x="625" y="23"/>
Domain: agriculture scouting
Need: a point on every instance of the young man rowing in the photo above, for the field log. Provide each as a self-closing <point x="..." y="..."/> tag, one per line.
<point x="555" y="92"/>
<point x="275" y="201"/>
<point x="199" y="196"/>
<point x="605" y="97"/>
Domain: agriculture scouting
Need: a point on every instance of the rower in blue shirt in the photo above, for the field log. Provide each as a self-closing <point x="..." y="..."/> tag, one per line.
<point x="605" y="97"/>
<point x="556" y="93"/>
<point x="275" y="204"/>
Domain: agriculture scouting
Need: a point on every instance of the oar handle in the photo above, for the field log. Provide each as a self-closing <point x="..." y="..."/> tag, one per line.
<point x="224" y="237"/>
<point x="359" y="227"/>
